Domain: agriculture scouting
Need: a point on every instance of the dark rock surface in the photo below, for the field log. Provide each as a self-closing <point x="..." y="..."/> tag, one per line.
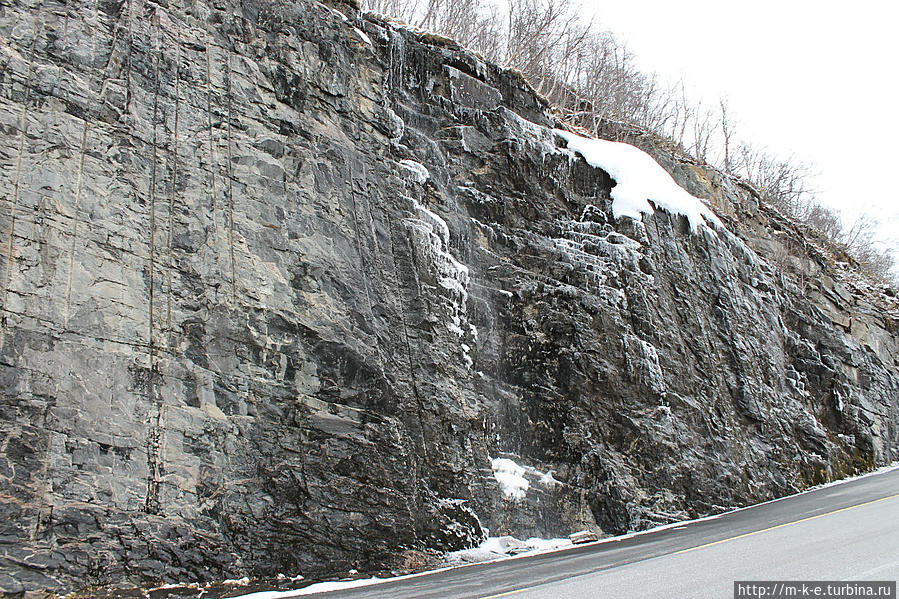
<point x="244" y="332"/>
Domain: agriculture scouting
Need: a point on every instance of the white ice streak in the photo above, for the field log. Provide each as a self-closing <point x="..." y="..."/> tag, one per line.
<point x="416" y="170"/>
<point x="362" y="36"/>
<point x="541" y="136"/>
<point x="639" y="179"/>
<point x="432" y="235"/>
<point x="452" y="275"/>
<point x="642" y="363"/>
<point x="601" y="253"/>
<point x="480" y="197"/>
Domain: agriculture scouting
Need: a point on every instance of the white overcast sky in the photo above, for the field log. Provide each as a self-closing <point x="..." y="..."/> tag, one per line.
<point x="818" y="80"/>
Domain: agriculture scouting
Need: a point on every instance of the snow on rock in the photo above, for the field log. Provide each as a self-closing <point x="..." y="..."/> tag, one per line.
<point x="639" y="179"/>
<point x="415" y="171"/>
<point x="510" y="477"/>
<point x="500" y="547"/>
<point x="337" y="13"/>
<point x="431" y="235"/>
<point x="540" y="137"/>
<point x="642" y="363"/>
<point x="601" y="253"/>
<point x="548" y="480"/>
<point x="362" y="36"/>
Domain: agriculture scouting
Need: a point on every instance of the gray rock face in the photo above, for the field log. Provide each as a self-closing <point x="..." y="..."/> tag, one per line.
<point x="279" y="281"/>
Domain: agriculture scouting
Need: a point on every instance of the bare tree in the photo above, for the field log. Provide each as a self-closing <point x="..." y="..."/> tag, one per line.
<point x="592" y="78"/>
<point x="404" y="10"/>
<point x="704" y="127"/>
<point x="860" y="240"/>
<point x="727" y="132"/>
<point x="824" y="220"/>
<point x="783" y="182"/>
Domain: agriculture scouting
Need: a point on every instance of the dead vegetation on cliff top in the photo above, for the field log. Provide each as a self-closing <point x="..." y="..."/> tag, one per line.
<point x="591" y="79"/>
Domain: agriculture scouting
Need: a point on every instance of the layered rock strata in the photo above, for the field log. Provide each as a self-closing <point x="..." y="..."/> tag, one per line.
<point x="283" y="285"/>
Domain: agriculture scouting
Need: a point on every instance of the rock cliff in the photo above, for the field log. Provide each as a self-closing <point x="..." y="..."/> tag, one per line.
<point x="281" y="282"/>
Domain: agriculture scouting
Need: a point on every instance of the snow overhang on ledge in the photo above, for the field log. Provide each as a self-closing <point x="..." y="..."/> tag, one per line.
<point x="639" y="180"/>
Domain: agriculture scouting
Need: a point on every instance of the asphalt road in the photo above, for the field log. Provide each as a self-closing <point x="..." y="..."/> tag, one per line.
<point x="843" y="532"/>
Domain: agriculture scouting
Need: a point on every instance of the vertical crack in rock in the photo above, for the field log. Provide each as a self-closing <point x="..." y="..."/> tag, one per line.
<point x="363" y="261"/>
<point x="155" y="426"/>
<point x="173" y="194"/>
<point x="86" y="128"/>
<point x="230" y="178"/>
<point x="397" y="297"/>
<point x="22" y="128"/>
<point x="75" y="217"/>
<point x="213" y="163"/>
<point x="129" y="18"/>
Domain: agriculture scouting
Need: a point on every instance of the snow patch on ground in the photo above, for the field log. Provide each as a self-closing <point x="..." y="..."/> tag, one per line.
<point x="324" y="587"/>
<point x="501" y="547"/>
<point x="493" y="549"/>
<point x="639" y="180"/>
<point x="834" y="483"/>
<point x="535" y="546"/>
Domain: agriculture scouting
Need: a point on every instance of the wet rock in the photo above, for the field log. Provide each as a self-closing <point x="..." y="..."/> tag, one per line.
<point x="243" y="334"/>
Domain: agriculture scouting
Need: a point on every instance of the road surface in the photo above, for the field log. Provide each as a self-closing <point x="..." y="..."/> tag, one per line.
<point x="848" y="531"/>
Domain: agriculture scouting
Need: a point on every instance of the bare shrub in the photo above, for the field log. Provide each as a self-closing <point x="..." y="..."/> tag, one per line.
<point x="592" y="78"/>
